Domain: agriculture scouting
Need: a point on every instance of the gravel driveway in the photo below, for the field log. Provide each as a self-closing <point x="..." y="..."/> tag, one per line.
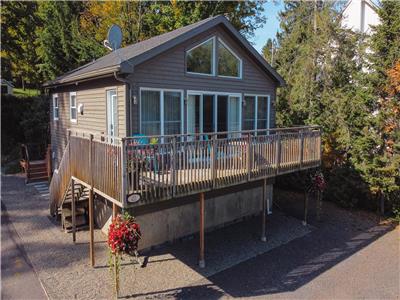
<point x="348" y="255"/>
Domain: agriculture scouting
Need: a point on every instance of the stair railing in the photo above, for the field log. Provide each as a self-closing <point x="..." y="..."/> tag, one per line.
<point x="60" y="181"/>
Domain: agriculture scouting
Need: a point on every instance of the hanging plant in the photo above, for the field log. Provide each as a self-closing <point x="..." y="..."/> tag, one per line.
<point x="317" y="182"/>
<point x="123" y="239"/>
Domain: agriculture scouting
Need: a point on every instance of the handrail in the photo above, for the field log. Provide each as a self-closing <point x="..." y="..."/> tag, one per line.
<point x="176" y="166"/>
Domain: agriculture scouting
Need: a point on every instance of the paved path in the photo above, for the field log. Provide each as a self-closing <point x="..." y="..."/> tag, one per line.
<point x="42" y="187"/>
<point x="18" y="278"/>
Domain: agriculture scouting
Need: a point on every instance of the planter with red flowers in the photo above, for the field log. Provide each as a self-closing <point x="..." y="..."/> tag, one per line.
<point x="317" y="185"/>
<point x="123" y="239"/>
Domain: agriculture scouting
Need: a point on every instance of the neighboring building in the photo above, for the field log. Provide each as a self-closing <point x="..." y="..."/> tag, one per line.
<point x="360" y="15"/>
<point x="7" y="87"/>
<point x="161" y="121"/>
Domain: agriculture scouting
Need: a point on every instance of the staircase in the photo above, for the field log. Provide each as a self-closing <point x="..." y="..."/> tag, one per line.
<point x="37" y="171"/>
<point x="81" y="208"/>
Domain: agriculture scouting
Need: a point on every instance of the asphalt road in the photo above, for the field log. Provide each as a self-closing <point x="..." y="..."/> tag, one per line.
<point x="18" y="278"/>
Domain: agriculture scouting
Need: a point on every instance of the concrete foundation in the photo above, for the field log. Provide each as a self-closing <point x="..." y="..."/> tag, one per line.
<point x="170" y="224"/>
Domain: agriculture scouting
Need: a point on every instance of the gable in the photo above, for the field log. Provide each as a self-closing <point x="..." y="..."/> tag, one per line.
<point x="169" y="68"/>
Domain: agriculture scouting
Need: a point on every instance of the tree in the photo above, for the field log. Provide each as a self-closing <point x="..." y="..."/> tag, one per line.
<point x="61" y="45"/>
<point x="18" y="25"/>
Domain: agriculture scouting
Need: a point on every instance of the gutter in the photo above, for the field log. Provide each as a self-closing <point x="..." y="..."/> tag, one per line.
<point x="129" y="102"/>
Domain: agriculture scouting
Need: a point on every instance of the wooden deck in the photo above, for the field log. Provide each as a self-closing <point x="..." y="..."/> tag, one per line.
<point x="159" y="168"/>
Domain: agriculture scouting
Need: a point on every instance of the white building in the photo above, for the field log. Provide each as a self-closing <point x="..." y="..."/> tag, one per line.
<point x="360" y="15"/>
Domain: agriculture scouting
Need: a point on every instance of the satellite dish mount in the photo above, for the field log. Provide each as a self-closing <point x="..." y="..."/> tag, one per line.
<point x="114" y="38"/>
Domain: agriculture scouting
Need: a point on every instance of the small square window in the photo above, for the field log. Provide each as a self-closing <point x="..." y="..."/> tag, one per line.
<point x="72" y="106"/>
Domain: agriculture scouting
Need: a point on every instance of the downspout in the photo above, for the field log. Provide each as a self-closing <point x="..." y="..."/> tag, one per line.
<point x="129" y="103"/>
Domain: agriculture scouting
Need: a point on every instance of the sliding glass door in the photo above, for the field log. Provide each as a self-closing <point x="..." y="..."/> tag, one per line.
<point x="213" y="112"/>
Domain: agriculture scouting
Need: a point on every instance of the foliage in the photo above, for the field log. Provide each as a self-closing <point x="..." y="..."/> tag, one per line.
<point x="123" y="238"/>
<point x="25" y="92"/>
<point x="18" y="36"/>
<point x="347" y="83"/>
<point x="23" y="120"/>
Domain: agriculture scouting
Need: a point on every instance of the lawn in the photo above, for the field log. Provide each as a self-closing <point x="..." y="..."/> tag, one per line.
<point x="25" y="93"/>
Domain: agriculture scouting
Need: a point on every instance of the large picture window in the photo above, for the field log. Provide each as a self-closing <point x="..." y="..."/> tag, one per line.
<point x="200" y="59"/>
<point x="161" y="112"/>
<point x="229" y="65"/>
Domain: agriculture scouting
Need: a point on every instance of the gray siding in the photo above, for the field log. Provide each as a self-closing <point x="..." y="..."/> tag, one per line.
<point x="168" y="71"/>
<point x="93" y="96"/>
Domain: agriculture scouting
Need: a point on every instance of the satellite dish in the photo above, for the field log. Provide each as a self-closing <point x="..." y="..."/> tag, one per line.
<point x="114" y="38"/>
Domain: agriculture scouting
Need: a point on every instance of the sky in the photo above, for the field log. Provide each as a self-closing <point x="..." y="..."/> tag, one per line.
<point x="271" y="9"/>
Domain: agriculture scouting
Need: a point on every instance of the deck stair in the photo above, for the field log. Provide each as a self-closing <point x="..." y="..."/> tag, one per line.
<point x="65" y="210"/>
<point x="37" y="171"/>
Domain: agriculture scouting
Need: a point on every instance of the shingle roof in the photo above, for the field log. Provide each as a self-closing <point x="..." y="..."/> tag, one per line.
<point x="123" y="59"/>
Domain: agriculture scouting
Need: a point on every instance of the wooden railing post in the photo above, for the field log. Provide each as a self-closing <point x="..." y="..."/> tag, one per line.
<point x="73" y="209"/>
<point x="301" y="149"/>
<point x="123" y="173"/>
<point x="173" y="166"/>
<point x="278" y="152"/>
<point x="91" y="204"/>
<point x="214" y="160"/>
<point x="248" y="159"/>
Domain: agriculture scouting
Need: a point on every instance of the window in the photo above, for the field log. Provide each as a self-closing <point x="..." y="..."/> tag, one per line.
<point x="256" y="112"/>
<point x="56" y="112"/>
<point x="161" y="112"/>
<point x="72" y="107"/>
<point x="200" y="59"/>
<point x="249" y="113"/>
<point x="229" y="64"/>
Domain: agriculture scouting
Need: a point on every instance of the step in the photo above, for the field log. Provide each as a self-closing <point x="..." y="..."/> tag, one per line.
<point x="37" y="179"/>
<point x="67" y="212"/>
<point x="80" y="221"/>
<point x="38" y="174"/>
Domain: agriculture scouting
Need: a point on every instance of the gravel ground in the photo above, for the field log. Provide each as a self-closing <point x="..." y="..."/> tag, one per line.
<point x="171" y="270"/>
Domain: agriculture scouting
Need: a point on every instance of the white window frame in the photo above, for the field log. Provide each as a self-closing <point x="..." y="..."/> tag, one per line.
<point x="213" y="58"/>
<point x="256" y="109"/>
<point x="71" y="107"/>
<point x="56" y="108"/>
<point x="235" y="55"/>
<point x="215" y="104"/>
<point x="162" y="90"/>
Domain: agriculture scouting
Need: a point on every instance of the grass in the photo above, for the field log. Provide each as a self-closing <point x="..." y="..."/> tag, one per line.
<point x="26" y="93"/>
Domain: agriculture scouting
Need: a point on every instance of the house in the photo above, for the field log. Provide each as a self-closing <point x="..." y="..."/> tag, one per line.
<point x="360" y="15"/>
<point x="179" y="129"/>
<point x="7" y="87"/>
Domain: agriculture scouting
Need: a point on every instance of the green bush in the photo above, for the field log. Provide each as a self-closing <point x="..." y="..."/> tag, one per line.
<point x="23" y="120"/>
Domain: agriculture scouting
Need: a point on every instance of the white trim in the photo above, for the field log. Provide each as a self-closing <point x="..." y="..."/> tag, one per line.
<point x="70" y="107"/>
<point x="213" y="58"/>
<point x="161" y="90"/>
<point x="235" y="55"/>
<point x="55" y="96"/>
<point x="106" y="90"/>
<point x="256" y="108"/>
<point x="215" y="106"/>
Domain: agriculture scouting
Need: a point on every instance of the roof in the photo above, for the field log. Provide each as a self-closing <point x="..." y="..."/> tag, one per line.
<point x="123" y="60"/>
<point x="4" y="81"/>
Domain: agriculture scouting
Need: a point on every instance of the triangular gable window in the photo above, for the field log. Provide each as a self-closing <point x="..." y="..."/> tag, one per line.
<point x="229" y="64"/>
<point x="201" y="60"/>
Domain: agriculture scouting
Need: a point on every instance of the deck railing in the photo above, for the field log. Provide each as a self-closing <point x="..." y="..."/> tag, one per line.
<point x="162" y="167"/>
<point x="157" y="168"/>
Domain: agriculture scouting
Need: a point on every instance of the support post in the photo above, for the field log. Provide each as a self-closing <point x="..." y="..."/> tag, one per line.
<point x="319" y="205"/>
<point x="123" y="174"/>
<point x="202" y="263"/>
<point x="301" y="149"/>
<point x="73" y="209"/>
<point x="248" y="150"/>
<point x="173" y="165"/>
<point x="264" y="211"/>
<point x="114" y="210"/>
<point x="91" y="204"/>
<point x="91" y="227"/>
<point x="305" y="208"/>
